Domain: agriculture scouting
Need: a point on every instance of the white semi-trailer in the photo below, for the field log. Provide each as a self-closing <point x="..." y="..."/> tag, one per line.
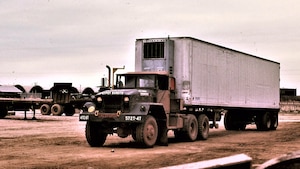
<point x="185" y="84"/>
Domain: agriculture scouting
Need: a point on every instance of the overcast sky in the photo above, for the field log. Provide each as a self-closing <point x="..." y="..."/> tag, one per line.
<point x="46" y="41"/>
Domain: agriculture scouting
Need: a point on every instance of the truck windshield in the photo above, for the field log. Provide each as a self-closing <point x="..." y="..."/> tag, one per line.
<point x="135" y="81"/>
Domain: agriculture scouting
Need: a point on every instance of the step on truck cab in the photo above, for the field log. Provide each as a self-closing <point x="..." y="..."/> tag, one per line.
<point x="185" y="85"/>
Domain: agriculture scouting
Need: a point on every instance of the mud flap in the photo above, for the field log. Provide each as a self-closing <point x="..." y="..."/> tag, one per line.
<point x="162" y="138"/>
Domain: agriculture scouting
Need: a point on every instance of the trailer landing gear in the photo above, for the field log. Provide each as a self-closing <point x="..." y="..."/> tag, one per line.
<point x="33" y="117"/>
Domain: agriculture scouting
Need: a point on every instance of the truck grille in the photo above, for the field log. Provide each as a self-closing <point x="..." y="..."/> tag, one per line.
<point x="111" y="104"/>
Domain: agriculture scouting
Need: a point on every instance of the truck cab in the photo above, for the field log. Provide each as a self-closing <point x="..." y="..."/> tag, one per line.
<point x="137" y="105"/>
<point x="151" y="86"/>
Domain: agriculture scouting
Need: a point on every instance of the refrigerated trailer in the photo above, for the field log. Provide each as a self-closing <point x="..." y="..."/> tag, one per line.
<point x="185" y="85"/>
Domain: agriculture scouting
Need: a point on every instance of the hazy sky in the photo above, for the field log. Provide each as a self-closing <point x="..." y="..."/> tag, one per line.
<point x="46" y="41"/>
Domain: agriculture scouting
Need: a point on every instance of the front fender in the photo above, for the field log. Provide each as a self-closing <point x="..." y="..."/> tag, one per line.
<point x="154" y="109"/>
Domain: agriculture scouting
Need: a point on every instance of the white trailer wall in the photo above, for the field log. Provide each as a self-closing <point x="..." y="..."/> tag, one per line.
<point x="211" y="75"/>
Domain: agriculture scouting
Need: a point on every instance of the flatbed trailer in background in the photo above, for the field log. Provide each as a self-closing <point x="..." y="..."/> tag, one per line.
<point x="61" y="98"/>
<point x="21" y="104"/>
<point x="14" y="99"/>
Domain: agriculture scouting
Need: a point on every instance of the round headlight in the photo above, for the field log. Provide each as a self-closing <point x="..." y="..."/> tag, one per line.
<point x="91" y="109"/>
<point x="126" y="99"/>
<point x="99" y="99"/>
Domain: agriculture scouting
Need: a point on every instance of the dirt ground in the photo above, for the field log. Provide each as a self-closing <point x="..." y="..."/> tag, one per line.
<point x="59" y="142"/>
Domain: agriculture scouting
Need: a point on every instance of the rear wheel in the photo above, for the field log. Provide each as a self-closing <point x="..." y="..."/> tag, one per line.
<point x="203" y="127"/>
<point x="191" y="127"/>
<point x="189" y="132"/>
<point x="274" y="121"/>
<point x="94" y="135"/>
<point x="229" y="121"/>
<point x="147" y="132"/>
<point x="233" y="121"/>
<point x="57" y="110"/>
<point x="3" y="112"/>
<point x="264" y="122"/>
<point x="45" y="109"/>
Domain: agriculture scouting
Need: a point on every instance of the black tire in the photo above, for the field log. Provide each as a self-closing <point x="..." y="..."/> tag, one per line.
<point x="233" y="121"/>
<point x="203" y="127"/>
<point x="69" y="110"/>
<point x="56" y="110"/>
<point x="45" y="109"/>
<point x="264" y="122"/>
<point x="147" y="132"/>
<point x="229" y="121"/>
<point x="191" y="127"/>
<point x="274" y="121"/>
<point x="3" y="112"/>
<point x="94" y="136"/>
<point x="189" y="131"/>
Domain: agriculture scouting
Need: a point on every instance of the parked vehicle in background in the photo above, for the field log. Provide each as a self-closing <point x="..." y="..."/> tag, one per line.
<point x="65" y="99"/>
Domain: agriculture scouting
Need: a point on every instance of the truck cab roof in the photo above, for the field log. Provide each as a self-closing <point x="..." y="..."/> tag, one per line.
<point x="147" y="73"/>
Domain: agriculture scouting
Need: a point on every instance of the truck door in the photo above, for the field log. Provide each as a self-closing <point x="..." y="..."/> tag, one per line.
<point x="163" y="94"/>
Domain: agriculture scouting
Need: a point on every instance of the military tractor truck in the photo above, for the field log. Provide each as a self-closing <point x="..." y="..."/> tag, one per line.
<point x="185" y="85"/>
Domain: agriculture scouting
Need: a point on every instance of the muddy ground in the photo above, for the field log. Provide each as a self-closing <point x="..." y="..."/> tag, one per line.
<point x="59" y="142"/>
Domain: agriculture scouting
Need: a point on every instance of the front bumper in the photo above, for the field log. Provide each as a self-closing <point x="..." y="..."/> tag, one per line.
<point x="112" y="117"/>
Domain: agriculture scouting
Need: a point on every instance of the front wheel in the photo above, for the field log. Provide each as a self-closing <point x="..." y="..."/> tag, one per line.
<point x="146" y="133"/>
<point x="94" y="135"/>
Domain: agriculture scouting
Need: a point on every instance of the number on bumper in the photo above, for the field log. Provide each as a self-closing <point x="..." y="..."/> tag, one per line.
<point x="83" y="117"/>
